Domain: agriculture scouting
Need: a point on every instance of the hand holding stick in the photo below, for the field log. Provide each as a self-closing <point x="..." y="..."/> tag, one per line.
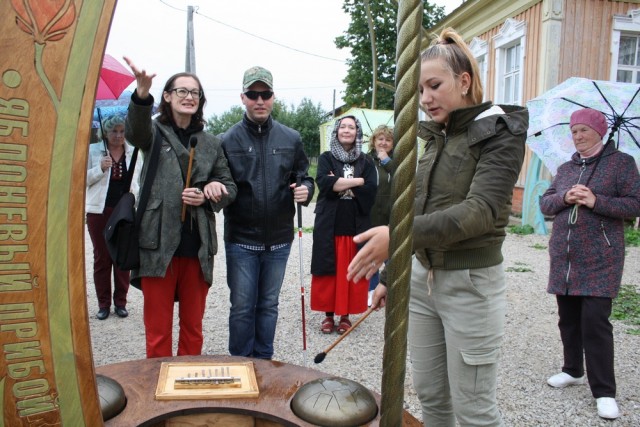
<point x="320" y="356"/>
<point x="193" y="141"/>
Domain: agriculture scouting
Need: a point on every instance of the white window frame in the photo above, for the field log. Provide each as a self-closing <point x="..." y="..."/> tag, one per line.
<point x="511" y="34"/>
<point x="480" y="50"/>
<point x="628" y="24"/>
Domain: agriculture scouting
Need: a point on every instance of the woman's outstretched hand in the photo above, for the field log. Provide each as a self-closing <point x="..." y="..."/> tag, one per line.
<point x="143" y="79"/>
<point x="371" y="256"/>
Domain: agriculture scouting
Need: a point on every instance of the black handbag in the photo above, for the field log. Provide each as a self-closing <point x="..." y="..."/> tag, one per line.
<point x="121" y="231"/>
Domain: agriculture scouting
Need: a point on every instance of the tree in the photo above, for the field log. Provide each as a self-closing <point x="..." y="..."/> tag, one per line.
<point x="306" y="119"/>
<point x="220" y="124"/>
<point x="357" y="39"/>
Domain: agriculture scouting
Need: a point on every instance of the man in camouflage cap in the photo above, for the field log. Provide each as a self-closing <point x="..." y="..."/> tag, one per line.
<point x="266" y="158"/>
<point x="255" y="75"/>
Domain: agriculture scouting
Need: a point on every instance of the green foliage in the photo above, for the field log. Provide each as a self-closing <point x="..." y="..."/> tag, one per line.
<point x="520" y="229"/>
<point x="520" y="267"/>
<point x="220" y="124"/>
<point x="357" y="39"/>
<point x="538" y="246"/>
<point x="306" y="119"/>
<point x="626" y="307"/>
<point x="631" y="236"/>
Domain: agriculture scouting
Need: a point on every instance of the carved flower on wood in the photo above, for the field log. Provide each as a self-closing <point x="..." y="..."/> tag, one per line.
<point x="46" y="20"/>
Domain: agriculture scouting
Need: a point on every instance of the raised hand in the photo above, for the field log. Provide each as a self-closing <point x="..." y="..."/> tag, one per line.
<point x="143" y="79"/>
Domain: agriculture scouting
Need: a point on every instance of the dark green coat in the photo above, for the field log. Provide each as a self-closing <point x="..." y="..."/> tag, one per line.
<point x="160" y="229"/>
<point x="464" y="185"/>
<point x="381" y="210"/>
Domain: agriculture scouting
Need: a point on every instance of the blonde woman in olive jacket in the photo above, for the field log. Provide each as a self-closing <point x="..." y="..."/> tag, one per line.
<point x="473" y="155"/>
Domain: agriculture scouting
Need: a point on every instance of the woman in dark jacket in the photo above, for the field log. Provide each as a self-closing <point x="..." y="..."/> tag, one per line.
<point x="176" y="255"/>
<point x="381" y="154"/>
<point x="347" y="185"/>
<point x="590" y="197"/>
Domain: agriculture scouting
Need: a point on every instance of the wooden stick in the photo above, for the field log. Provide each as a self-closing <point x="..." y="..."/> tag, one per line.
<point x="320" y="356"/>
<point x="192" y="142"/>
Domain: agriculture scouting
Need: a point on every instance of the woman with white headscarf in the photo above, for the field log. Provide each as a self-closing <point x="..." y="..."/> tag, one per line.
<point x="347" y="184"/>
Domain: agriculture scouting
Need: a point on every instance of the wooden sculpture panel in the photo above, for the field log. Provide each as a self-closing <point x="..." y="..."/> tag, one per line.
<point x="51" y="52"/>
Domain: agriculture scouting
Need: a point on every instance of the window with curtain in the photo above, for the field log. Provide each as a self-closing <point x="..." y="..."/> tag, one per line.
<point x="509" y="45"/>
<point x="629" y="59"/>
<point x="625" y="48"/>
<point x="511" y="75"/>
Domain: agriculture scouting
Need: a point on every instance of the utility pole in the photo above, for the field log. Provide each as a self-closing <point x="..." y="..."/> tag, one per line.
<point x="190" y="59"/>
<point x="374" y="55"/>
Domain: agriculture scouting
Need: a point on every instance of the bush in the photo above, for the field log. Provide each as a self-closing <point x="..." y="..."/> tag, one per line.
<point x="632" y="236"/>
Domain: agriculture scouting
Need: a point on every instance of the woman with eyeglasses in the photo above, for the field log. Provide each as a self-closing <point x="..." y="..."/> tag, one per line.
<point x="107" y="168"/>
<point x="176" y="255"/>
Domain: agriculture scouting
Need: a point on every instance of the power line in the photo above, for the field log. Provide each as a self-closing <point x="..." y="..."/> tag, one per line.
<point x="280" y="89"/>
<point x="196" y="10"/>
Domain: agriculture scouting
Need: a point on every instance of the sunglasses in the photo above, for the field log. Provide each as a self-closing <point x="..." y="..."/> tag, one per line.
<point x="254" y="94"/>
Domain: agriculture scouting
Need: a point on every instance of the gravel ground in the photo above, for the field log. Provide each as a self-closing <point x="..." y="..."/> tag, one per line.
<point x="532" y="350"/>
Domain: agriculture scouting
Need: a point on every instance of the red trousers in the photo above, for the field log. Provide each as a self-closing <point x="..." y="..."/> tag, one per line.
<point x="335" y="293"/>
<point x="103" y="265"/>
<point x="183" y="279"/>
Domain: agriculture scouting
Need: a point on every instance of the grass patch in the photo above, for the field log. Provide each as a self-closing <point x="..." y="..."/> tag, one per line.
<point x="520" y="267"/>
<point x="520" y="229"/>
<point x="626" y="307"/>
<point x="632" y="236"/>
<point x="539" y="246"/>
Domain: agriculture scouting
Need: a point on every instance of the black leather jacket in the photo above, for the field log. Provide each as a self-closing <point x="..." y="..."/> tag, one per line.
<point x="264" y="161"/>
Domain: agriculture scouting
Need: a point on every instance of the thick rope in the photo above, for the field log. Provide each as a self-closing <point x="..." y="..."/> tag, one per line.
<point x="403" y="192"/>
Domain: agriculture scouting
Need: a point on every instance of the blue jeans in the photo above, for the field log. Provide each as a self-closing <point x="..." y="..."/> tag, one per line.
<point x="254" y="279"/>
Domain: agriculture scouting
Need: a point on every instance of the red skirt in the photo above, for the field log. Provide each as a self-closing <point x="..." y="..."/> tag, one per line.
<point x="335" y="293"/>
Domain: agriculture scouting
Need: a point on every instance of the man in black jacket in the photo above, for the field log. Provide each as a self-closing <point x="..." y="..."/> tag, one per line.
<point x="266" y="159"/>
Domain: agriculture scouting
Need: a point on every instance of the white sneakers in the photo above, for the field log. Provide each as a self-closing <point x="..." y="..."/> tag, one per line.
<point x="563" y="380"/>
<point x="607" y="408"/>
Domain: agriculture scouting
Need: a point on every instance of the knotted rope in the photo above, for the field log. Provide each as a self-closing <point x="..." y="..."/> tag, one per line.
<point x="401" y="227"/>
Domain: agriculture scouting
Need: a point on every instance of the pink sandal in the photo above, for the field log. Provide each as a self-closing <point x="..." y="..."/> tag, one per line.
<point x="327" y="325"/>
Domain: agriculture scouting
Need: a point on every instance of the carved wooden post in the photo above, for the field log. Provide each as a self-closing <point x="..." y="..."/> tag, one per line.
<point x="49" y="67"/>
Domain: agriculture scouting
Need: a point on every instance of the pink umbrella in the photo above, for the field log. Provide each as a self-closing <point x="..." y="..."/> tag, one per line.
<point x="114" y="78"/>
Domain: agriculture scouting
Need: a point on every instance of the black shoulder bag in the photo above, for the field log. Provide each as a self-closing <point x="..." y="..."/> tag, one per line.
<point x="121" y="231"/>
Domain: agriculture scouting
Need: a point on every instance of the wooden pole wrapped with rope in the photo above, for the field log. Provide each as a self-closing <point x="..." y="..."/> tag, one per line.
<point x="401" y="227"/>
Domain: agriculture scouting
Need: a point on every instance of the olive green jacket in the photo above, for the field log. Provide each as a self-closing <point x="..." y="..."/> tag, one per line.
<point x="464" y="185"/>
<point x="381" y="210"/>
<point x="160" y="229"/>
